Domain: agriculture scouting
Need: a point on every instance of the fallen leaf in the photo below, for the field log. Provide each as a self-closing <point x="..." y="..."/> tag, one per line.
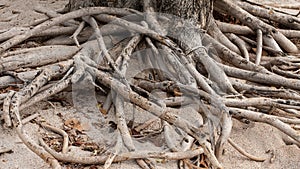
<point x="74" y="123"/>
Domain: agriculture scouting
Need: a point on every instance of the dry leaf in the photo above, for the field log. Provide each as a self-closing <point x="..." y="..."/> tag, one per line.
<point x="74" y="123"/>
<point x="103" y="111"/>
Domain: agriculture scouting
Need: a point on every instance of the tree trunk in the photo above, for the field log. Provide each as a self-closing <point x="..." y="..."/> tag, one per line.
<point x="199" y="10"/>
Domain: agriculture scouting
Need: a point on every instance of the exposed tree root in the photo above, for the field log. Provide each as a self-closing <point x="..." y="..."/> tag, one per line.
<point x="239" y="149"/>
<point x="61" y="132"/>
<point x="123" y="156"/>
<point x="225" y="74"/>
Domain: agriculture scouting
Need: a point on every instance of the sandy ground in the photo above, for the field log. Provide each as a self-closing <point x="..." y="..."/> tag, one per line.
<point x="259" y="139"/>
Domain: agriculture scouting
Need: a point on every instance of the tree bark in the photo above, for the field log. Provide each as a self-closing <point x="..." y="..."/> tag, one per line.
<point x="198" y="10"/>
<point x="77" y="4"/>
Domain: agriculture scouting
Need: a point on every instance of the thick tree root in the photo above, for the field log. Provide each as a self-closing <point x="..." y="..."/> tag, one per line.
<point x="190" y="68"/>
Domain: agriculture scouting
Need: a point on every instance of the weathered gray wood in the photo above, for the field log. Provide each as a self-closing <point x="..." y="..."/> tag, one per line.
<point x="199" y="10"/>
<point x="39" y="56"/>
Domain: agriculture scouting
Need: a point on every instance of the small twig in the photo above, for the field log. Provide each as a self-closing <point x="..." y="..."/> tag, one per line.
<point x="146" y="124"/>
<point x="259" y="47"/>
<point x="243" y="152"/>
<point x="29" y="118"/>
<point x="181" y="164"/>
<point x="6" y="108"/>
<point x="61" y="132"/>
<point x="245" y="30"/>
<point x="142" y="164"/>
<point x="77" y="32"/>
<point x="190" y="165"/>
<point x="211" y="156"/>
<point x="37" y="22"/>
<point x="69" y="72"/>
<point x="117" y="150"/>
<point x="4" y="150"/>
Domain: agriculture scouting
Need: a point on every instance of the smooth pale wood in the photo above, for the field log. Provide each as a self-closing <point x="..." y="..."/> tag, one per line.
<point x="254" y="23"/>
<point x="36" y="57"/>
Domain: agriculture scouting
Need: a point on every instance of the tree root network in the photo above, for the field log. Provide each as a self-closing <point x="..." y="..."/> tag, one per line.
<point x="231" y="70"/>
